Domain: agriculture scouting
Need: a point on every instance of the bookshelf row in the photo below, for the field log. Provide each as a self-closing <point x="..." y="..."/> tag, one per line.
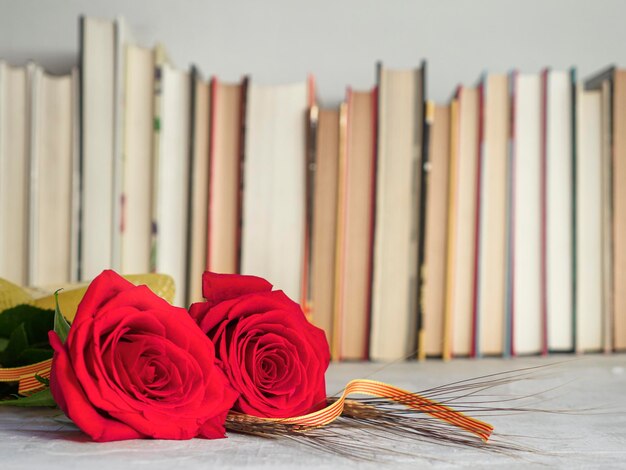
<point x="491" y="225"/>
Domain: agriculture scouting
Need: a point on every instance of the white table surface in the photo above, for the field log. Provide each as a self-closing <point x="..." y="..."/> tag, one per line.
<point x="580" y="438"/>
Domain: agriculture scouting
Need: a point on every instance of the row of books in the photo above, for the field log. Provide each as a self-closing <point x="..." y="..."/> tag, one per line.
<point x="490" y="225"/>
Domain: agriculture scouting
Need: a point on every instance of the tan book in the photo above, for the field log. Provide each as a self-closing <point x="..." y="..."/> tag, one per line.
<point x="324" y="227"/>
<point x="436" y="232"/>
<point x="493" y="213"/>
<point x="199" y="180"/>
<point x="395" y="281"/>
<point x="465" y="224"/>
<point x="355" y="226"/>
<point x="226" y="123"/>
<point x="452" y="229"/>
<point x="14" y="173"/>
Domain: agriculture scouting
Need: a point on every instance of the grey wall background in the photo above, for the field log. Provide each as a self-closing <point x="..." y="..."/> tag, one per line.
<point x="279" y="41"/>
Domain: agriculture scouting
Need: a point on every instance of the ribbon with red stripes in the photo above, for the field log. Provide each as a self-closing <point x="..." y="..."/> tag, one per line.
<point x="29" y="384"/>
<point x="25" y="375"/>
<point x="382" y="390"/>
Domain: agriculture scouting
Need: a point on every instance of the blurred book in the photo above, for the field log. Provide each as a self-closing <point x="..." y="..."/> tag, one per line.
<point x="557" y="211"/>
<point x="527" y="328"/>
<point x="199" y="155"/>
<point x="14" y="172"/>
<point x="589" y="214"/>
<point x="227" y="124"/>
<point x="138" y="163"/>
<point x="274" y="184"/>
<point x="463" y="258"/>
<point x="53" y="165"/>
<point x="491" y="258"/>
<point x="325" y="133"/>
<point x="436" y="233"/>
<point x="173" y="177"/>
<point x="399" y="154"/>
<point x="355" y="225"/>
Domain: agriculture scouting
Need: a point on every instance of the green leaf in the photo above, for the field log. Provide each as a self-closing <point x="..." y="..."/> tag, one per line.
<point x="42" y="380"/>
<point x="34" y="355"/>
<point x="61" y="326"/>
<point x="43" y="398"/>
<point x="4" y="342"/>
<point x="18" y="342"/>
<point x="37" y="322"/>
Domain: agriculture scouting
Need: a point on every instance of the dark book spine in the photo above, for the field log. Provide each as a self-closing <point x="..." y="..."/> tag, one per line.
<point x="212" y="113"/>
<point x="574" y="162"/>
<point x="81" y="142"/>
<point x="194" y="78"/>
<point x="427" y="116"/>
<point x="311" y="130"/>
<point x="242" y="161"/>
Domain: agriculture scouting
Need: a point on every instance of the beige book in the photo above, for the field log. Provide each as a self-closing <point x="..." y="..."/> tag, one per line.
<point x="101" y="62"/>
<point x="52" y="155"/>
<point x="588" y="221"/>
<point x="394" y="288"/>
<point x="173" y="178"/>
<point x="465" y="224"/>
<point x="493" y="214"/>
<point x="619" y="210"/>
<point x="453" y="189"/>
<point x="527" y="337"/>
<point x="356" y="212"/>
<point x="274" y="182"/>
<point x="199" y="180"/>
<point x="559" y="205"/>
<point x="223" y="222"/>
<point x="137" y="161"/>
<point x="436" y="232"/>
<point x="14" y="173"/>
<point x="325" y="218"/>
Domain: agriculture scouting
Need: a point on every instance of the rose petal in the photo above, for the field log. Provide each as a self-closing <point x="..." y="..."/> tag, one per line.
<point x="217" y="288"/>
<point x="71" y="398"/>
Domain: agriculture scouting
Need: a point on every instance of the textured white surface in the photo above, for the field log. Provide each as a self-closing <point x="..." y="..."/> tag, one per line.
<point x="32" y="438"/>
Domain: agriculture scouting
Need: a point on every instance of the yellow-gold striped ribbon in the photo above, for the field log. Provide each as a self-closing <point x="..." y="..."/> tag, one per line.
<point x="381" y="390"/>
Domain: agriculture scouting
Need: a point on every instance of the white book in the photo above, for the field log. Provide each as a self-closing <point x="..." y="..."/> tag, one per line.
<point x="137" y="161"/>
<point x="199" y="204"/>
<point x="274" y="194"/>
<point x="527" y="327"/>
<point x="589" y="271"/>
<point x="559" y="223"/>
<point x="98" y="144"/>
<point x="52" y="163"/>
<point x="14" y="173"/>
<point x="465" y="232"/>
<point x="123" y="38"/>
<point x="493" y="215"/>
<point x="394" y="289"/>
<point x="173" y="178"/>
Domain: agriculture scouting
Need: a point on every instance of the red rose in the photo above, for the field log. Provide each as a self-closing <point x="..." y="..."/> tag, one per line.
<point x="134" y="366"/>
<point x="271" y="354"/>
